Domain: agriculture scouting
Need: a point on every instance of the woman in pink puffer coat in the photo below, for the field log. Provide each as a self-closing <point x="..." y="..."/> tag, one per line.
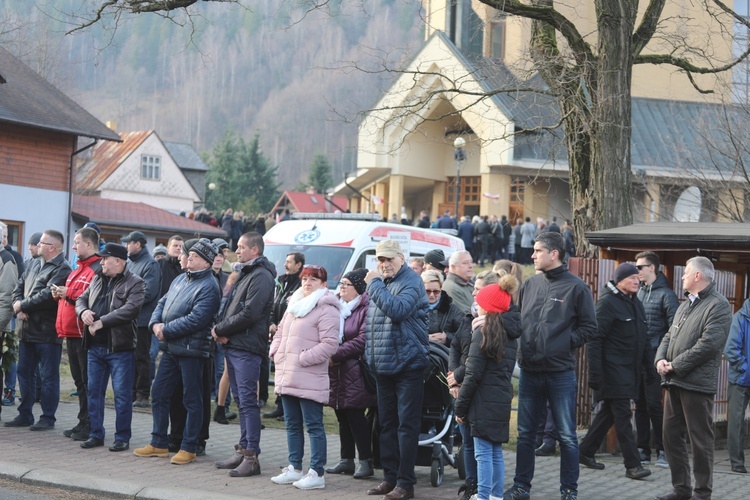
<point x="306" y="338"/>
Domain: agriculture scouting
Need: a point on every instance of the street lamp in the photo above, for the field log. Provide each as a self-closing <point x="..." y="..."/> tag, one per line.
<point x="460" y="155"/>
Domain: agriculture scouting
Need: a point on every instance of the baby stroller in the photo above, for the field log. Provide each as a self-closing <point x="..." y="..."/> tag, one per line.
<point x="436" y="436"/>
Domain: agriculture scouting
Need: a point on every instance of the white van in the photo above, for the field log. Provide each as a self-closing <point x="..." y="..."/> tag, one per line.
<point x="343" y="242"/>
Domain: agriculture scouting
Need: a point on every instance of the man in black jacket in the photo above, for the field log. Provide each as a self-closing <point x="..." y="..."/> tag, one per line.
<point x="617" y="357"/>
<point x="660" y="304"/>
<point x="286" y="285"/>
<point x="557" y="315"/>
<point x="243" y="331"/>
<point x="109" y="308"/>
<point x="144" y="265"/>
<point x="38" y="344"/>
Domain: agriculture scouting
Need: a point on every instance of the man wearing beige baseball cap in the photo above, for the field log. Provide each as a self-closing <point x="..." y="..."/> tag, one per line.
<point x="397" y="346"/>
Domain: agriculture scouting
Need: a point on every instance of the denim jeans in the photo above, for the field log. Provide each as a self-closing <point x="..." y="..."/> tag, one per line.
<point x="10" y="379"/>
<point x="490" y="468"/>
<point x="296" y="412"/>
<point x="153" y="352"/>
<point x="121" y="366"/>
<point x="470" y="460"/>
<point x="244" y="370"/>
<point x="399" y="411"/>
<point x="47" y="357"/>
<point x="171" y="370"/>
<point x="534" y="390"/>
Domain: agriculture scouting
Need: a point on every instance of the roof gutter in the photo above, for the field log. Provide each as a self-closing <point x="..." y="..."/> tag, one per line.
<point x="70" y="190"/>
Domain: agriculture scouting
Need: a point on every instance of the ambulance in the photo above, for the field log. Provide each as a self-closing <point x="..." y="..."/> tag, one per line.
<point x="344" y="242"/>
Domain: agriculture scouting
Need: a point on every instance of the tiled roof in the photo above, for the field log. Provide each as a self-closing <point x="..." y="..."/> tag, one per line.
<point x="102" y="160"/>
<point x="303" y="202"/>
<point x="26" y="98"/>
<point x="131" y="216"/>
<point x="185" y="156"/>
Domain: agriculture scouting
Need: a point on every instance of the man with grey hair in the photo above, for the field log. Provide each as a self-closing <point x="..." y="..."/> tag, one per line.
<point x="688" y="361"/>
<point x="8" y="277"/>
<point x="458" y="283"/>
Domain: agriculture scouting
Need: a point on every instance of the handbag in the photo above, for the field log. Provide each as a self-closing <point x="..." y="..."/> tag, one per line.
<point x="368" y="377"/>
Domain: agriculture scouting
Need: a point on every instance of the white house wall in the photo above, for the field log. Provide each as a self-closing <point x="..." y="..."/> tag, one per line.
<point x="171" y="192"/>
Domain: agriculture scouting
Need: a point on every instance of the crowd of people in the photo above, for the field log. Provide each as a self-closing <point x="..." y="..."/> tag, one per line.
<point x="363" y="351"/>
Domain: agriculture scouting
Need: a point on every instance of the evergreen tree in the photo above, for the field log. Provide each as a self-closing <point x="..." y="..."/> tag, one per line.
<point x="320" y="174"/>
<point x="259" y="177"/>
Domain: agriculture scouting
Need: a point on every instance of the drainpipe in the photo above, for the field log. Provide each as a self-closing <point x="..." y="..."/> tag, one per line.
<point x="70" y="193"/>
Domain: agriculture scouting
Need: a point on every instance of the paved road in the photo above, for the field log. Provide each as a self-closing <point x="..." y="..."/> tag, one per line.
<point x="48" y="458"/>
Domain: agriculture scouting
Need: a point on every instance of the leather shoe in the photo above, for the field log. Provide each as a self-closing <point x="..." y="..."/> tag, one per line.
<point x="92" y="443"/>
<point x="275" y="413"/>
<point x="382" y="489"/>
<point x="590" y="462"/>
<point x="739" y="468"/>
<point x="119" y="446"/>
<point x="545" y="450"/>
<point x="637" y="472"/>
<point x="17" y="422"/>
<point x="41" y="426"/>
<point x="399" y="493"/>
<point x="674" y="496"/>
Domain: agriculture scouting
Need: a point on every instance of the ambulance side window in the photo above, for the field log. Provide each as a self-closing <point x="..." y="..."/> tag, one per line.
<point x="361" y="261"/>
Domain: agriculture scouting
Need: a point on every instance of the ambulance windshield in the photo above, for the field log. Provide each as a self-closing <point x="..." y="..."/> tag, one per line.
<point x="333" y="259"/>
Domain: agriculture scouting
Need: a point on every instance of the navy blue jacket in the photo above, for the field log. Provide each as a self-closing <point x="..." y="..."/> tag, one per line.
<point x="737" y="349"/>
<point x="660" y="304"/>
<point x="397" y="325"/>
<point x="144" y="265"/>
<point x="187" y="311"/>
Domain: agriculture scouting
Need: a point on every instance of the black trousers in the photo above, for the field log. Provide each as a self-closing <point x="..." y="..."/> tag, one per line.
<point x="617" y="412"/>
<point x="78" y="360"/>
<point x="178" y="415"/>
<point x="354" y="430"/>
<point x="649" y="414"/>
<point x="142" y="379"/>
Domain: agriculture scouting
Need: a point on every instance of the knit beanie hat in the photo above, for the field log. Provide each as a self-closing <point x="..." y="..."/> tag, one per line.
<point x="624" y="271"/>
<point x="493" y="299"/>
<point x="187" y="245"/>
<point x="496" y="298"/>
<point x="205" y="249"/>
<point x="159" y="250"/>
<point x="357" y="278"/>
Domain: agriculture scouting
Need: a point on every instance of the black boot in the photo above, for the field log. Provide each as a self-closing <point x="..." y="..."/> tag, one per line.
<point x="466" y="491"/>
<point x="278" y="412"/>
<point x="220" y="415"/>
<point x="364" y="470"/>
<point x="345" y="466"/>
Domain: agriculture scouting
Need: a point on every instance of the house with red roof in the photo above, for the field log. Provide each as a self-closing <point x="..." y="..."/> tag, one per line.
<point x="309" y="201"/>
<point x="139" y="169"/>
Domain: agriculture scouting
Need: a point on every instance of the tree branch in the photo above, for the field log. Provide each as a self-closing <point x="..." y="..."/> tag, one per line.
<point x="648" y="25"/>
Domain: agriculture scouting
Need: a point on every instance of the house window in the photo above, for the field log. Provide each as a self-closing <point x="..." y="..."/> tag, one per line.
<point x="15" y="234"/>
<point x="497" y="39"/>
<point x="741" y="72"/>
<point x="150" y="167"/>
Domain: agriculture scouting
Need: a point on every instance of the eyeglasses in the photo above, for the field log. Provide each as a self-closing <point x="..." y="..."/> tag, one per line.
<point x="433" y="292"/>
<point x="344" y="285"/>
<point x="45" y="243"/>
<point x="642" y="266"/>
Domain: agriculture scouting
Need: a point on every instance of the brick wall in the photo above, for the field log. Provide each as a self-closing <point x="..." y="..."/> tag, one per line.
<point x="35" y="158"/>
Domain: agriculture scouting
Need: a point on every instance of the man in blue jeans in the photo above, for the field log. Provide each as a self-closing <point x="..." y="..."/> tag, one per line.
<point x="558" y="316"/>
<point x="109" y="308"/>
<point x="38" y="345"/>
<point x="397" y="345"/>
<point x="182" y="322"/>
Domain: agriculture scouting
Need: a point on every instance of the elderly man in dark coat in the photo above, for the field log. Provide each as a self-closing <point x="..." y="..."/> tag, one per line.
<point x="617" y="358"/>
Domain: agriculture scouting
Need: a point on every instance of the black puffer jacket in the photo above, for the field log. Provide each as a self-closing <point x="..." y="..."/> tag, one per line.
<point x="286" y="285"/>
<point x="127" y="292"/>
<point x="660" y="304"/>
<point x="695" y="341"/>
<point x="486" y="392"/>
<point x="445" y="317"/>
<point x="245" y="318"/>
<point x="617" y="353"/>
<point x="33" y="290"/>
<point x="558" y="316"/>
<point x="144" y="265"/>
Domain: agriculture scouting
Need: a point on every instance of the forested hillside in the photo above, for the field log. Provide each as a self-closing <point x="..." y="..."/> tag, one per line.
<point x="226" y="67"/>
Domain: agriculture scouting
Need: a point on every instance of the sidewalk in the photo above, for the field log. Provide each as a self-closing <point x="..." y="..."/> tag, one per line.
<point x="48" y="458"/>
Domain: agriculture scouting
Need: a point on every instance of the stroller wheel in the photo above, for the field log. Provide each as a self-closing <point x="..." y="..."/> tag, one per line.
<point x="460" y="464"/>
<point x="436" y="473"/>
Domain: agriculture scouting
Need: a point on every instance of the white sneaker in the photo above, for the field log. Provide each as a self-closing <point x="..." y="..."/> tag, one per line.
<point x="288" y="475"/>
<point x="311" y="481"/>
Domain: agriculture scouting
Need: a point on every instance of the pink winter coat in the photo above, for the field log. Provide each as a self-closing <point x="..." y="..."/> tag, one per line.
<point x="302" y="351"/>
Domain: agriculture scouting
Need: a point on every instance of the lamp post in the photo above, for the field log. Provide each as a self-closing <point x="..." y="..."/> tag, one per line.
<point x="460" y="155"/>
